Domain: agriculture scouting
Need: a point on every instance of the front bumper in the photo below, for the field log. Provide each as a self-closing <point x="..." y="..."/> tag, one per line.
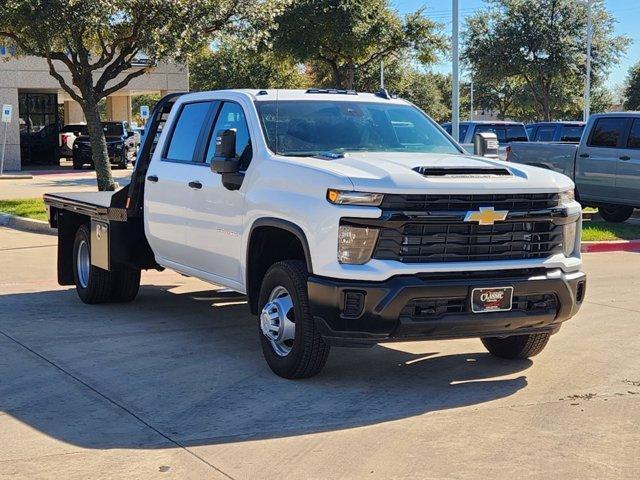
<point x="394" y="310"/>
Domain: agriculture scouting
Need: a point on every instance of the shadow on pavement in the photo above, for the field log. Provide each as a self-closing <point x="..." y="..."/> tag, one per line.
<point x="190" y="366"/>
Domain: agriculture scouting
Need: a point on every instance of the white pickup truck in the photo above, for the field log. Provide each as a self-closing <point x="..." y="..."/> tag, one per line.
<point x="346" y="218"/>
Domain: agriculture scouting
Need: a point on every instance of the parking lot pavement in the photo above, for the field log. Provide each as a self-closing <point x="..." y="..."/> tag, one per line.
<point x="174" y="385"/>
<point x="56" y="181"/>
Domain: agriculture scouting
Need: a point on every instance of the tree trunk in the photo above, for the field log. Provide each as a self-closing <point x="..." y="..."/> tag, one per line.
<point x="351" y="76"/>
<point x="98" y="146"/>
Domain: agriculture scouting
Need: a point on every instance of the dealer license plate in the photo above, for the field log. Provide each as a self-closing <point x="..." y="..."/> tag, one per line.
<point x="494" y="299"/>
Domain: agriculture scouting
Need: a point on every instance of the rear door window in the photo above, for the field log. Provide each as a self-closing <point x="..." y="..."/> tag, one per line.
<point x="607" y="132"/>
<point x="571" y="133"/>
<point x="634" y="135"/>
<point x="545" y="134"/>
<point x="184" y="137"/>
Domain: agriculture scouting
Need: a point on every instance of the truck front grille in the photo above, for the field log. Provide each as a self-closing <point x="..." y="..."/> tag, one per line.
<point x="448" y="203"/>
<point x="423" y="242"/>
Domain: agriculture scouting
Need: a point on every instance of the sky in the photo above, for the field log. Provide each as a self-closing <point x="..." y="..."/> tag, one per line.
<point x="627" y="13"/>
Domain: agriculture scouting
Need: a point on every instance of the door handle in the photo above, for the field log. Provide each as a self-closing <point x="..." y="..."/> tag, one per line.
<point x="625" y="157"/>
<point x="197" y="185"/>
<point x="584" y="155"/>
<point x="152" y="178"/>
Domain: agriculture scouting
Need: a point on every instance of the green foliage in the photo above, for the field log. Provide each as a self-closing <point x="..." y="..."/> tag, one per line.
<point x="632" y="89"/>
<point x="149" y="99"/>
<point x="541" y="44"/>
<point x="232" y="65"/>
<point x="341" y="40"/>
<point x="92" y="46"/>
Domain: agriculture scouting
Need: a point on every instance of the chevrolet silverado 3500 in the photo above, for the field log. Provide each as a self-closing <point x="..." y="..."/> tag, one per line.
<point x="346" y="218"/>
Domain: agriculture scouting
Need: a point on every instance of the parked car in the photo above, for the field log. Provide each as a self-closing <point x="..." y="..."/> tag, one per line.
<point x="347" y="219"/>
<point x="121" y="146"/>
<point x="68" y="135"/>
<point x="506" y="132"/>
<point x="605" y="165"/>
<point x="569" y="132"/>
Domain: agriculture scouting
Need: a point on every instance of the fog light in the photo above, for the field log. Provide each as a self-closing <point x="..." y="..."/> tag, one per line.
<point x="569" y="238"/>
<point x="355" y="244"/>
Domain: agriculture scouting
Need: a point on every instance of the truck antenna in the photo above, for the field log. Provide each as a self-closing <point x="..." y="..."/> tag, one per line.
<point x="381" y="74"/>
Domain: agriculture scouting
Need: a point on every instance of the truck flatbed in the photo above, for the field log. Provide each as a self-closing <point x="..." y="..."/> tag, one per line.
<point x="94" y="204"/>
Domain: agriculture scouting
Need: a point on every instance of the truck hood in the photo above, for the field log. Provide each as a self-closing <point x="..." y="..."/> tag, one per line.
<point x="391" y="172"/>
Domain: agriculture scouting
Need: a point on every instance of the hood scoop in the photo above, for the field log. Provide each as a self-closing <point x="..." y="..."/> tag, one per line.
<point x="436" y="172"/>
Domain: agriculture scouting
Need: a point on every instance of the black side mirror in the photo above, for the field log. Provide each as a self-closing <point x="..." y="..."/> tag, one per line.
<point x="225" y="161"/>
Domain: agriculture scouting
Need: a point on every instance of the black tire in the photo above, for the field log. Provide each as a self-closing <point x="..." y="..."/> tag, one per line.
<point x="308" y="353"/>
<point x="126" y="283"/>
<point x="98" y="286"/>
<point x="615" y="213"/>
<point x="77" y="166"/>
<point x="517" y="346"/>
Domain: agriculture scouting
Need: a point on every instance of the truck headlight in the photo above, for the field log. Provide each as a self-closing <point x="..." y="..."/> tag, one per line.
<point x="569" y="238"/>
<point x="567" y="197"/>
<point x="341" y="197"/>
<point x="355" y="244"/>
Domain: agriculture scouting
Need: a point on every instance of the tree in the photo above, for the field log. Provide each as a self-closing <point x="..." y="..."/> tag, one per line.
<point x="632" y="89"/>
<point x="541" y="43"/>
<point x="91" y="45"/>
<point x="345" y="38"/>
<point x="230" y="64"/>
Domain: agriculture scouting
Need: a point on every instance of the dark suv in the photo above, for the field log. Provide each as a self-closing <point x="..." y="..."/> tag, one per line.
<point x="121" y="146"/>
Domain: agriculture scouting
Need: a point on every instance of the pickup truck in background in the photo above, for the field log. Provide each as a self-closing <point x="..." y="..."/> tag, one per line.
<point x="122" y="145"/>
<point x="506" y="132"/>
<point x="568" y="132"/>
<point x="346" y="218"/>
<point x="605" y="165"/>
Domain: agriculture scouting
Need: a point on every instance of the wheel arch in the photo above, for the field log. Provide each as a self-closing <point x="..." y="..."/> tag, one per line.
<point x="266" y="236"/>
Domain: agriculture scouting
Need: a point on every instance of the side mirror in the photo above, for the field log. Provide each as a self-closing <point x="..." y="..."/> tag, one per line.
<point x="485" y="144"/>
<point x="225" y="161"/>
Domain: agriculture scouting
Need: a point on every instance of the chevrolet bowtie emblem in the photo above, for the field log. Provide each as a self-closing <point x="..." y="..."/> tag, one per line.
<point x="486" y="216"/>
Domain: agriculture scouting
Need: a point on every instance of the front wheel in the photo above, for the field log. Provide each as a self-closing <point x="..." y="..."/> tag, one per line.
<point x="615" y="213"/>
<point x="291" y="344"/>
<point x="517" y="346"/>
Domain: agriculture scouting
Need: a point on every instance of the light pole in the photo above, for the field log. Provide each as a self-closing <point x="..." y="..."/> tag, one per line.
<point x="455" y="74"/>
<point x="587" y="80"/>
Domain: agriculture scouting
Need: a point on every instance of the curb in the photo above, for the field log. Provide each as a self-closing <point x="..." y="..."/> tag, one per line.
<point x="26" y="224"/>
<point x="16" y="176"/>
<point x="614" y="246"/>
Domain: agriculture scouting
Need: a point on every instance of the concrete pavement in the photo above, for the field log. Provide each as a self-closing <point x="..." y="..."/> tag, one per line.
<point x="174" y="386"/>
<point x="56" y="181"/>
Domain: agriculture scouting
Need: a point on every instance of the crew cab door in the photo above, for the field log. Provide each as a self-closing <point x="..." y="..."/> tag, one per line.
<point x="167" y="200"/>
<point x="216" y="213"/>
<point x="628" y="173"/>
<point x="597" y="159"/>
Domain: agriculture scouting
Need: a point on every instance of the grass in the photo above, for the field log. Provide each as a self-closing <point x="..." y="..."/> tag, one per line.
<point x="602" y="231"/>
<point x="28" y="208"/>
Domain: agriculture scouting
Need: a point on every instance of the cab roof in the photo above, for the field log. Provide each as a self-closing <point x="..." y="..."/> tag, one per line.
<point x="330" y="94"/>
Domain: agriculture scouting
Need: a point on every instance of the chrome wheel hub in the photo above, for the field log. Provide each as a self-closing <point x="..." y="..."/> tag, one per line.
<point x="83" y="264"/>
<point x="277" y="321"/>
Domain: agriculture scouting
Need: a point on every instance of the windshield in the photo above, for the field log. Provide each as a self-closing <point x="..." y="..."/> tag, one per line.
<point x="304" y="128"/>
<point x="113" y="129"/>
